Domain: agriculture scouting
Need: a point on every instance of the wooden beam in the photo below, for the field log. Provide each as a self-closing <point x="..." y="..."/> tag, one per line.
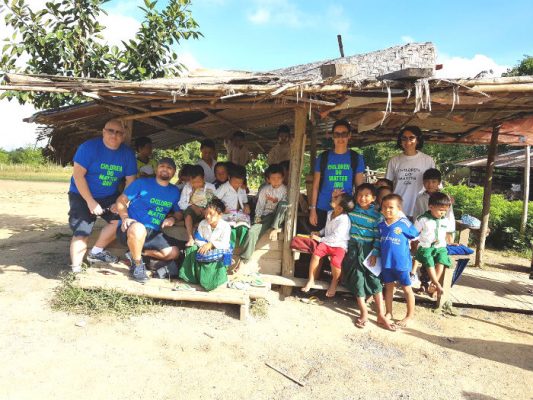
<point x="487" y="191"/>
<point x="527" y="169"/>
<point x="297" y="152"/>
<point x="158" y="113"/>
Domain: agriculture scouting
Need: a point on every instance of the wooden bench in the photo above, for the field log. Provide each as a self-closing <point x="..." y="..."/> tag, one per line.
<point x="116" y="277"/>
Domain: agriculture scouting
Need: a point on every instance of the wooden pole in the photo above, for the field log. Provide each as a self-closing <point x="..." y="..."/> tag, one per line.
<point x="487" y="191"/>
<point x="527" y="169"/>
<point x="297" y="152"/>
<point x="312" y="154"/>
<point x="341" y="47"/>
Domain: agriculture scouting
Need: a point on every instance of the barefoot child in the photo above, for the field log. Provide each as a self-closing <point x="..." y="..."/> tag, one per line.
<point x="434" y="226"/>
<point x="333" y="243"/>
<point x="207" y="260"/>
<point x="395" y="232"/>
<point x="364" y="240"/>
<point x="194" y="198"/>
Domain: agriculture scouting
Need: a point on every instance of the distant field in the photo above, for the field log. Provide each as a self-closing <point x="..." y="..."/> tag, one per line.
<point x="44" y="173"/>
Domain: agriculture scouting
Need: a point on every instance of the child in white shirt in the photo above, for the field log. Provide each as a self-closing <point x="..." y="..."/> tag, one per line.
<point x="331" y="241"/>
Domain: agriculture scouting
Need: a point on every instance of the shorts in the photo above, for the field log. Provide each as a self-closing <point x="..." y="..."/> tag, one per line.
<point x="430" y="256"/>
<point x="196" y="219"/>
<point x="392" y="275"/>
<point x="155" y="240"/>
<point x="336" y="254"/>
<point x="80" y="220"/>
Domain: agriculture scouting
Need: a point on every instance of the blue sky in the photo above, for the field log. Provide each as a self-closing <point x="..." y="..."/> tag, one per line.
<point x="267" y="34"/>
<point x="470" y="36"/>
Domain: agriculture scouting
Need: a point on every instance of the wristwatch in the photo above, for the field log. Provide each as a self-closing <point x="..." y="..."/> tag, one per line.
<point x="312" y="207"/>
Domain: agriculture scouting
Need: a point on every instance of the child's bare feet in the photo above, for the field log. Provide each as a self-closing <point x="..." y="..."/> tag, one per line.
<point x="190" y="242"/>
<point x="332" y="288"/>
<point x="386" y="324"/>
<point x="388" y="317"/>
<point x="310" y="283"/>
<point x="361" y="322"/>
<point x="404" y="322"/>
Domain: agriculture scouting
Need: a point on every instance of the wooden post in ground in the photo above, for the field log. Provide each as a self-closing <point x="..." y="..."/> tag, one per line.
<point x="128" y="127"/>
<point x="487" y="191"/>
<point x="527" y="169"/>
<point x="312" y="152"/>
<point x="296" y="160"/>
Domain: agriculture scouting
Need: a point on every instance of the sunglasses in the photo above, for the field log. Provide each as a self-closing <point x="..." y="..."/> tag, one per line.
<point x="342" y="134"/>
<point x="114" y="131"/>
<point x="408" y="138"/>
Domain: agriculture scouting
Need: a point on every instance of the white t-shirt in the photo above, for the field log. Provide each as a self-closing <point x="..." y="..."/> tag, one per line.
<point x="337" y="231"/>
<point x="233" y="199"/>
<point x="406" y="174"/>
<point x="209" y="170"/>
<point x="219" y="236"/>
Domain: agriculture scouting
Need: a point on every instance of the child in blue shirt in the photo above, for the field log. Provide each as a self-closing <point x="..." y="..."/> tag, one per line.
<point x="395" y="232"/>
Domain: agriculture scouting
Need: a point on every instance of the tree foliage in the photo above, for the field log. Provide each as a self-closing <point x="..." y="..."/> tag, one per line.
<point x="525" y="67"/>
<point x="65" y="38"/>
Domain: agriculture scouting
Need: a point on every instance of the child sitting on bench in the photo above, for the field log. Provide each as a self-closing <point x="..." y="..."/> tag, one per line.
<point x="207" y="260"/>
<point x="331" y="241"/>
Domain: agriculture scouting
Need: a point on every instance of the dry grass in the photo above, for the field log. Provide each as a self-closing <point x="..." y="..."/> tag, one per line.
<point x="28" y="172"/>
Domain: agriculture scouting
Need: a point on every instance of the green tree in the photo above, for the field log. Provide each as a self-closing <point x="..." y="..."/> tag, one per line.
<point x="27" y="155"/>
<point x="4" y="156"/>
<point x="525" y="67"/>
<point x="65" y="38"/>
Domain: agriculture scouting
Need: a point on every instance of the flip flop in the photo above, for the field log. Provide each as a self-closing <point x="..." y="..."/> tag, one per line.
<point x="313" y="300"/>
<point x="360" y="324"/>
<point x="184" y="287"/>
<point x="392" y="328"/>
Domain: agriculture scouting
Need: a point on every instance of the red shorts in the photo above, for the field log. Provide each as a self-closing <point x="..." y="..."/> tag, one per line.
<point x="336" y="254"/>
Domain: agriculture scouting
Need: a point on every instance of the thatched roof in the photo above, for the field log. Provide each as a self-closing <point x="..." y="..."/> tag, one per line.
<point x="378" y="92"/>
<point x="514" y="159"/>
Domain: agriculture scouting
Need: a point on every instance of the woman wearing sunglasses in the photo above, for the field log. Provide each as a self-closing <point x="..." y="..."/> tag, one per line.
<point x="406" y="169"/>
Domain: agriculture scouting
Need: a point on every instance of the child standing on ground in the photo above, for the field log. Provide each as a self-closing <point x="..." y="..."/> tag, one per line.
<point x="395" y="232"/>
<point x="207" y="260"/>
<point x="269" y="211"/>
<point x="194" y="198"/>
<point x="364" y="240"/>
<point x="434" y="228"/>
<point x="331" y="241"/>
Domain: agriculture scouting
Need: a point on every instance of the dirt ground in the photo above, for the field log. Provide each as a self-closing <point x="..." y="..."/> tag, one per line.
<point x="198" y="351"/>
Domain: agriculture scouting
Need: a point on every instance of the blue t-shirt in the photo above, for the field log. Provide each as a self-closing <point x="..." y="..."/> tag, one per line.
<point x="150" y="202"/>
<point x="105" y="167"/>
<point x="395" y="252"/>
<point x="338" y="175"/>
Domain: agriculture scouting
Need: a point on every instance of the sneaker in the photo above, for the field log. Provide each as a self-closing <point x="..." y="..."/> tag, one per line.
<point x="104" y="256"/>
<point x="139" y="273"/>
<point x="76" y="269"/>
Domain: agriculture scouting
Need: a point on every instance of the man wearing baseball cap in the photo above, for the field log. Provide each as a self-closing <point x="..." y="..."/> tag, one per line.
<point x="145" y="207"/>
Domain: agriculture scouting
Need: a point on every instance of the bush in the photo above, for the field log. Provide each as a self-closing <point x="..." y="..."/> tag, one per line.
<point x="27" y="155"/>
<point x="504" y="220"/>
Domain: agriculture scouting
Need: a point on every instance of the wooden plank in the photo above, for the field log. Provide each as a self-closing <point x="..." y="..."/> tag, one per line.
<point x="408" y="74"/>
<point x="487" y="190"/>
<point x="296" y="160"/>
<point x="525" y="197"/>
<point x="291" y="281"/>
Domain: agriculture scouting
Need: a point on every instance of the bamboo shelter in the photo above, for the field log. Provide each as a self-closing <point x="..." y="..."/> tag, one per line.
<point x="378" y="92"/>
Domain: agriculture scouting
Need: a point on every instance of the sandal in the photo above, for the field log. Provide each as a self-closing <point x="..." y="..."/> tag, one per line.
<point x="184" y="287"/>
<point x="313" y="300"/>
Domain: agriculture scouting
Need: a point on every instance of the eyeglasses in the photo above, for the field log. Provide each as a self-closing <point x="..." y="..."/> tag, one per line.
<point x="341" y="134"/>
<point x="114" y="131"/>
<point x="408" y="138"/>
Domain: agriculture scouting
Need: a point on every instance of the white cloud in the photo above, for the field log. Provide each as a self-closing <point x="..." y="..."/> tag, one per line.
<point x="260" y="16"/>
<point x="407" y="39"/>
<point x="15" y="132"/>
<point x="279" y="12"/>
<point x="461" y="67"/>
<point x="338" y="18"/>
<point x="190" y="62"/>
<point x="118" y="27"/>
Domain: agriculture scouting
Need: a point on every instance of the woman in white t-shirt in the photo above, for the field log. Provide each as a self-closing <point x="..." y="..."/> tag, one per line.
<point x="405" y="170"/>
